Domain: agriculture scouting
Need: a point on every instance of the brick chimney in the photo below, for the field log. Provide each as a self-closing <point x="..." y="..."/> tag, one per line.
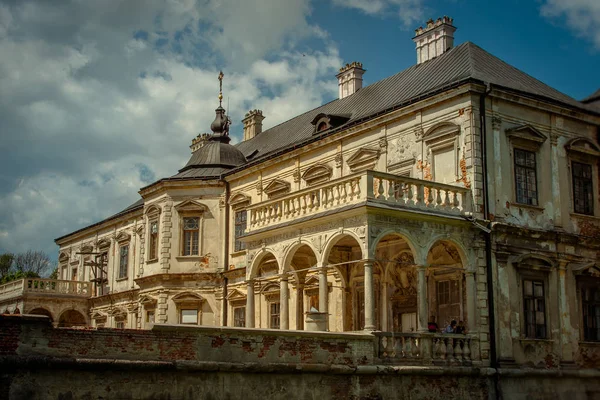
<point x="435" y="39"/>
<point x="252" y="123"/>
<point x="199" y="141"/>
<point x="350" y="79"/>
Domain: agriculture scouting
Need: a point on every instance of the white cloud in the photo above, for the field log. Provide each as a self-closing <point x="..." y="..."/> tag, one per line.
<point x="582" y="17"/>
<point x="92" y="106"/>
<point x="410" y="12"/>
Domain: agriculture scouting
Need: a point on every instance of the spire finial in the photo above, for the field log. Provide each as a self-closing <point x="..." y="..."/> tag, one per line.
<point x="221" y="75"/>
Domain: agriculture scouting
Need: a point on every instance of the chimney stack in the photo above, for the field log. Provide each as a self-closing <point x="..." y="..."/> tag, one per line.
<point x="435" y="39"/>
<point x="252" y="123"/>
<point x="350" y="79"/>
<point x="199" y="141"/>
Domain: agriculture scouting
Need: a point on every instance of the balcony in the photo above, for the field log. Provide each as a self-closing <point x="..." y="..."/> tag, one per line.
<point x="369" y="188"/>
<point x="428" y="348"/>
<point x="44" y="287"/>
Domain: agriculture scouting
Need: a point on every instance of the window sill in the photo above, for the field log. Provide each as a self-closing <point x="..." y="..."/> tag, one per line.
<point x="189" y="258"/>
<point x="528" y="206"/>
<point x="121" y="279"/>
<point x="589" y="344"/>
<point x="585" y="216"/>
<point x="239" y="253"/>
<point x="153" y="261"/>
<point x="539" y="341"/>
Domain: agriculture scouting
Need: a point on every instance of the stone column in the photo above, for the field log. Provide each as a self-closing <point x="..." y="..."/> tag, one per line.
<point x="250" y="304"/>
<point x="422" y="305"/>
<point x="369" y="297"/>
<point x="324" y="294"/>
<point x="284" y="300"/>
<point x="300" y="307"/>
<point x="161" y="311"/>
<point x="471" y="301"/>
<point x="566" y="331"/>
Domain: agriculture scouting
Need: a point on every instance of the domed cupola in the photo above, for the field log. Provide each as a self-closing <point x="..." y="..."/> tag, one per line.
<point x="216" y="156"/>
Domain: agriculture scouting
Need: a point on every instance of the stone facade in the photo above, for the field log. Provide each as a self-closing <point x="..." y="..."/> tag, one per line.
<point x="475" y="204"/>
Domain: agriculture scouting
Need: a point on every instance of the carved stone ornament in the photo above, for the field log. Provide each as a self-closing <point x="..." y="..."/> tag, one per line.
<point x="338" y="160"/>
<point x="296" y="175"/>
<point x="277" y="187"/>
<point x="383" y="143"/>
<point x="317" y="174"/>
<point x="103" y="243"/>
<point x="239" y="200"/>
<point x="123" y="237"/>
<point x="259" y="186"/>
<point x="418" y="132"/>
<point x="496" y="122"/>
<point x="363" y="159"/>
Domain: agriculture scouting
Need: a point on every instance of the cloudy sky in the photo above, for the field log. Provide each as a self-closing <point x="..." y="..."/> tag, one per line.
<point x="99" y="98"/>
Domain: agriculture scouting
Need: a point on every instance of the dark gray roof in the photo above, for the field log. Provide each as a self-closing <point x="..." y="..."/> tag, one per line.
<point x="467" y="62"/>
<point x="593" y="98"/>
<point x="139" y="204"/>
<point x="212" y="159"/>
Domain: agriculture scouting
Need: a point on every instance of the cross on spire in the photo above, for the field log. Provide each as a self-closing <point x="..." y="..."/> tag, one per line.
<point x="221" y="75"/>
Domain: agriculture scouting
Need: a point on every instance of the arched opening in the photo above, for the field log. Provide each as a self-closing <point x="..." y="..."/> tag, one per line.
<point x="304" y="281"/>
<point x="398" y="288"/>
<point x="41" y="311"/>
<point x="346" y="275"/>
<point x="71" y="318"/>
<point x="269" y="305"/>
<point x="446" y="286"/>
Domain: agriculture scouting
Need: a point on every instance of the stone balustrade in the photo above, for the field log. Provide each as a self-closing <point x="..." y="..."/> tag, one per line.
<point x="377" y="187"/>
<point x="45" y="286"/>
<point x="428" y="348"/>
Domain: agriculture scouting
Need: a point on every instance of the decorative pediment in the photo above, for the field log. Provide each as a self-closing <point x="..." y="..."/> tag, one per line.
<point x="590" y="269"/>
<point x="187" y="297"/>
<point x="98" y="316"/>
<point x="276" y="188"/>
<point x="239" y="200"/>
<point x="583" y="146"/>
<point x="152" y="210"/>
<point x="117" y="313"/>
<point x="311" y="281"/>
<point x="140" y="230"/>
<point x="323" y="122"/>
<point x="270" y="291"/>
<point x="147" y="300"/>
<point x="191" y="206"/>
<point x="63" y="256"/>
<point x="526" y="133"/>
<point x="86" y="248"/>
<point x="363" y="159"/>
<point x="236" y="295"/>
<point x="103" y="243"/>
<point x="440" y="131"/>
<point x="317" y="174"/>
<point x="123" y="237"/>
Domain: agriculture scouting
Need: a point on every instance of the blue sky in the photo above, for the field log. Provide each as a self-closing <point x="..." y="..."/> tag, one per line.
<point x="98" y="99"/>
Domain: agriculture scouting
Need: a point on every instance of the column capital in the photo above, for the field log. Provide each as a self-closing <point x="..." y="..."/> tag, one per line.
<point x="422" y="267"/>
<point x="284" y="277"/>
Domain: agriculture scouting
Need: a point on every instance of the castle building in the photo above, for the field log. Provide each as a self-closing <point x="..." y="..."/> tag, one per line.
<point x="458" y="189"/>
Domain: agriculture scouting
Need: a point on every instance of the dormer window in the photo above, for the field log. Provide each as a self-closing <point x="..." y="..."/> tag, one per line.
<point x="323" y="122"/>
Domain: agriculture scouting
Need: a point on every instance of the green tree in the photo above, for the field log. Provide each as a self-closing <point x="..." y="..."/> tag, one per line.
<point x="6" y="263"/>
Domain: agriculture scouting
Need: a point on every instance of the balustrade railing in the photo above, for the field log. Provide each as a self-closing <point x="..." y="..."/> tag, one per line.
<point x="381" y="187"/>
<point x="428" y="348"/>
<point x="418" y="193"/>
<point x="47" y="286"/>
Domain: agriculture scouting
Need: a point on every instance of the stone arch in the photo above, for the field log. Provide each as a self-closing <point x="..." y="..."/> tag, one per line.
<point x="291" y="251"/>
<point x="41" y="311"/>
<point x="257" y="260"/>
<point x="532" y="256"/>
<point x="70" y="318"/>
<point x="336" y="238"/>
<point x="442" y="128"/>
<point x="465" y="258"/>
<point x="408" y="238"/>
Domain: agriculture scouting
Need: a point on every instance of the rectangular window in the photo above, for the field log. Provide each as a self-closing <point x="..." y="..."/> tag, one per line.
<point x="274" y="312"/>
<point x="583" y="198"/>
<point x="239" y="317"/>
<point x="74" y="274"/>
<point x="240" y="228"/>
<point x="444" y="165"/>
<point x="448" y="299"/>
<point x="590" y="300"/>
<point x="189" y="317"/>
<point x="150" y="316"/>
<point x="525" y="177"/>
<point x="153" y="255"/>
<point x="535" y="309"/>
<point x="191" y="228"/>
<point x="123" y="259"/>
